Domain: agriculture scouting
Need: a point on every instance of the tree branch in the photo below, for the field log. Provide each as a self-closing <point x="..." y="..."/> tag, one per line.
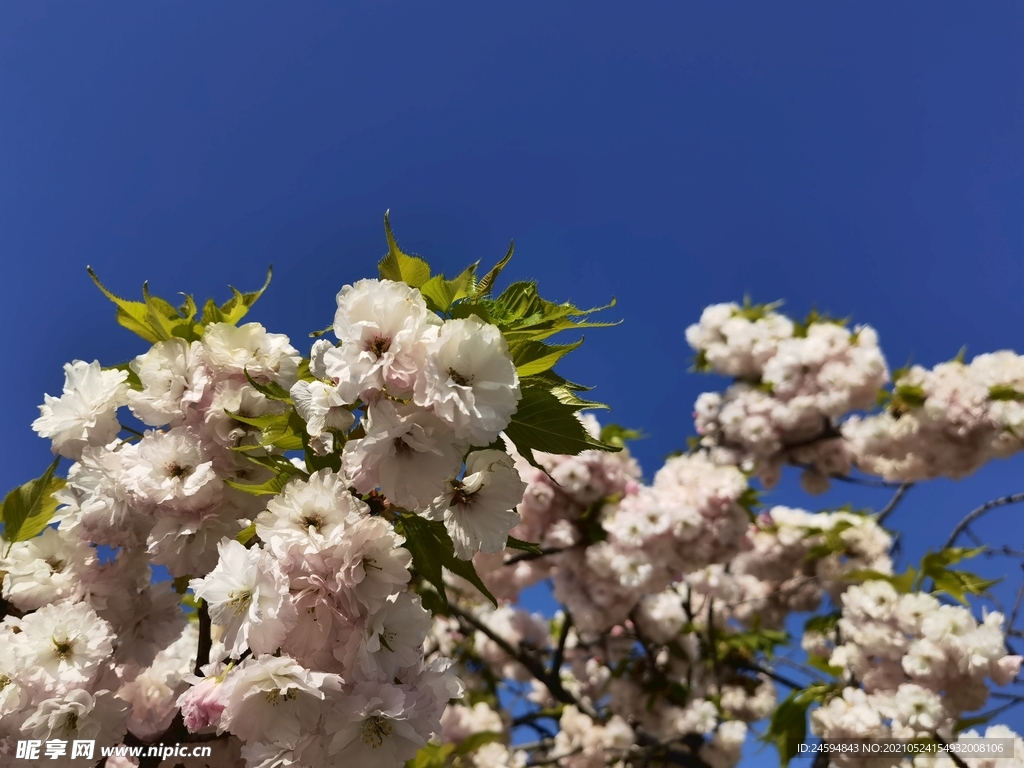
<point x="563" y="636"/>
<point x="897" y="497"/>
<point x="524" y="556"/>
<point x="976" y="513"/>
<point x="536" y="668"/>
<point x="205" y="639"/>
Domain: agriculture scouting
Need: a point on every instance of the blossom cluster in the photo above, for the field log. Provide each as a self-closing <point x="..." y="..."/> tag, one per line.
<point x="796" y="559"/>
<point x="793" y="383"/>
<point x="303" y="574"/>
<point x="88" y="648"/>
<point x="914" y="666"/>
<point x="338" y="527"/>
<point x="945" y="421"/>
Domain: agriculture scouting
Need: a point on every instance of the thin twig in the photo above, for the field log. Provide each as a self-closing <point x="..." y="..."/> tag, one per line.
<point x="205" y="639"/>
<point x="755" y="667"/>
<point x="563" y="636"/>
<point x="524" y="556"/>
<point x="1016" y="607"/>
<point x="532" y="664"/>
<point x="975" y="514"/>
<point x="897" y="497"/>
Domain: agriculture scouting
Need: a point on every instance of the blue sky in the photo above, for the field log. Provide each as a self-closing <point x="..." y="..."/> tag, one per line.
<point x="863" y="158"/>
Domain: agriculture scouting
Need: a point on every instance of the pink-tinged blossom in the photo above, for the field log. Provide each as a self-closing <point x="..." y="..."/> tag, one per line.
<point x="43" y="570"/>
<point x="63" y="645"/>
<point x="248" y="597"/>
<point x="383" y="327"/>
<point x="274" y="699"/>
<point x="86" y="414"/>
<point x="373" y="726"/>
<point x="321" y="406"/>
<point x="309" y="515"/>
<point x="203" y="703"/>
<point x="371" y="562"/>
<point x="231" y="350"/>
<point x="469" y="380"/>
<point x="479" y="510"/>
<point x="174" y="380"/>
<point x="408" y="453"/>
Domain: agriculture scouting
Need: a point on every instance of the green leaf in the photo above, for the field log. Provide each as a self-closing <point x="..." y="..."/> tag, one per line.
<point x="533" y="357"/>
<point x="28" y="509"/>
<point x="522" y="546"/>
<point x="237" y="307"/>
<point x="935" y="563"/>
<point x="399" y="266"/>
<point x="1004" y="392"/>
<point x="133" y="315"/>
<point x="753" y="641"/>
<point x="616" y="434"/>
<point x="133" y="379"/>
<point x="441" y="293"/>
<point x="788" y="727"/>
<point x="431" y="756"/>
<point x="270" y="390"/>
<point x="487" y="283"/>
<point x="833" y="540"/>
<point x="474" y="741"/>
<point x="520" y="312"/>
<point x="902" y="582"/>
<point x="542" y="422"/>
<point x="181" y="583"/>
<point x="277" y="430"/>
<point x="958" y="584"/>
<point x="271" y="487"/>
<point x="909" y="395"/>
<point x="245" y="535"/>
<point x="432" y="549"/>
<point x="821" y="663"/>
<point x="156" y="319"/>
<point x="277" y="464"/>
<point x="822" y="624"/>
<point x="970" y="722"/>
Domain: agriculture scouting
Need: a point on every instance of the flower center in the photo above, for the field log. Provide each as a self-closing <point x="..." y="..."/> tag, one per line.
<point x="378" y="345"/>
<point x="4" y="681"/>
<point x="402" y="448"/>
<point x="462" y="497"/>
<point x="458" y="378"/>
<point x="240" y="601"/>
<point x="177" y="470"/>
<point x="276" y="696"/>
<point x="63" y="647"/>
<point x="55" y="564"/>
<point x="375" y="730"/>
<point x="314" y="520"/>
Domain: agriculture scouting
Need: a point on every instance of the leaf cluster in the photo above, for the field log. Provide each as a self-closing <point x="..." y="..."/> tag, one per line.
<point x="156" y="319"/>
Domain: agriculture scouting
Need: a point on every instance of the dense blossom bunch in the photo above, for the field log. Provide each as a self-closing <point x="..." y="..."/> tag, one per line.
<point x="793" y="383"/>
<point x="919" y="665"/>
<point x="795" y="560"/>
<point x="349" y="536"/>
<point x="944" y="422"/>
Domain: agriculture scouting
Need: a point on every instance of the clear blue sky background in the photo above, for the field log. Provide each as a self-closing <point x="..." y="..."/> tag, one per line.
<point x="864" y="158"/>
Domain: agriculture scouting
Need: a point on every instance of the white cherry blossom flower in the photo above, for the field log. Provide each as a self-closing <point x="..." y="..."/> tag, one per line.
<point x="248" y="597"/>
<point x="479" y="509"/>
<point x="86" y="414"/>
<point x="469" y="379"/>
